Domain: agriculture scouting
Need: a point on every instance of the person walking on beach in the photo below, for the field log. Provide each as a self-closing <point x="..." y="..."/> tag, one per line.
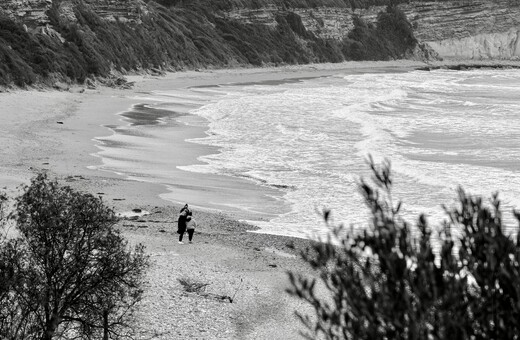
<point x="181" y="224"/>
<point x="190" y="226"/>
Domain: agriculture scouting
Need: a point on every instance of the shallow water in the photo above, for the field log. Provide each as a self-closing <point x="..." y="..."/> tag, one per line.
<point x="309" y="140"/>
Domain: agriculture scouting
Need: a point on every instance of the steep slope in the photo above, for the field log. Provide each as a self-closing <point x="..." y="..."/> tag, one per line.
<point x="479" y="29"/>
<point x="73" y="40"/>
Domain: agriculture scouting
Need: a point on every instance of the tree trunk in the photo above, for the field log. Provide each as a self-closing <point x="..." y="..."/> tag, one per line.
<point x="50" y="327"/>
<point x="105" y="325"/>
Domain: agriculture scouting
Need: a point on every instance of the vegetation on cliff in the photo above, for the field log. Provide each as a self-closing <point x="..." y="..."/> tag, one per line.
<point x="392" y="37"/>
<point x="175" y="36"/>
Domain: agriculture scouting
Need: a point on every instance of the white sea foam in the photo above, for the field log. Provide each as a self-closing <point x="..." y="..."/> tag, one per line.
<point x="310" y="139"/>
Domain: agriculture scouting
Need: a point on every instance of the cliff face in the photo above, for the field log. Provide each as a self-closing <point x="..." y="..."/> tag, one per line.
<point x="34" y="12"/>
<point x="478" y="29"/>
<point x="31" y="12"/>
<point x="325" y="22"/>
<point x="129" y="10"/>
<point x="481" y="29"/>
<point x="502" y="45"/>
<point x="73" y="40"/>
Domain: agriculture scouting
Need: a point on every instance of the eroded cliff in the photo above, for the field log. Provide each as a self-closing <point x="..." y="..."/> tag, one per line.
<point x="73" y="40"/>
<point x="34" y="13"/>
<point x="481" y="29"/>
<point x="31" y="12"/>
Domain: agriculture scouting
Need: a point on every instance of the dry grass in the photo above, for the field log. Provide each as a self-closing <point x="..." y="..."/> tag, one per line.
<point x="192" y="286"/>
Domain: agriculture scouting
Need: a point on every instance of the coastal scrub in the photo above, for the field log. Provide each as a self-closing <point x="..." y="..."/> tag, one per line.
<point x="389" y="282"/>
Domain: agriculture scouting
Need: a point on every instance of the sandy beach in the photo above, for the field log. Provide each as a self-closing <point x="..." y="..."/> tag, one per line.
<point x="54" y="131"/>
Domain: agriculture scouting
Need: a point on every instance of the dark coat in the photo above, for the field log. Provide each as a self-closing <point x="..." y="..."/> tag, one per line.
<point x="181" y="224"/>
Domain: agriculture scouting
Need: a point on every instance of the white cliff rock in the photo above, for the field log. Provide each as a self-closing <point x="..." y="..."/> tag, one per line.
<point x="504" y="45"/>
<point x="477" y="29"/>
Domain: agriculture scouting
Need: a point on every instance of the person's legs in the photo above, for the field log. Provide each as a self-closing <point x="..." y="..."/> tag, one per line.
<point x="190" y="234"/>
<point x="180" y="237"/>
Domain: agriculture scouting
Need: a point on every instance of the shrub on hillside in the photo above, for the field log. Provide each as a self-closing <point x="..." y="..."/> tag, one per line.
<point x="396" y="28"/>
<point x="16" y="54"/>
<point x="69" y="273"/>
<point x="388" y="283"/>
<point x="363" y="42"/>
<point x="259" y="44"/>
<point x="391" y="38"/>
<point x="295" y="23"/>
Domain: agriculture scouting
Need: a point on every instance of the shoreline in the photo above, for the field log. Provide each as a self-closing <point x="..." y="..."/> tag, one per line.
<point x="56" y="131"/>
<point x="177" y="193"/>
<point x="59" y="132"/>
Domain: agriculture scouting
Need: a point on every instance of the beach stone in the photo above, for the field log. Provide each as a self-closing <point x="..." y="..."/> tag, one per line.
<point x="76" y="89"/>
<point x="61" y="86"/>
<point x="90" y="84"/>
<point x="156" y="72"/>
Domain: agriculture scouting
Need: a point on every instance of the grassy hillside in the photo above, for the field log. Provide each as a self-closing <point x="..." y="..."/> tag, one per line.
<point x="176" y="36"/>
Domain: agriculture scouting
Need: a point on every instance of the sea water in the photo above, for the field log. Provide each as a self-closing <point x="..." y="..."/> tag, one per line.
<point x="310" y="140"/>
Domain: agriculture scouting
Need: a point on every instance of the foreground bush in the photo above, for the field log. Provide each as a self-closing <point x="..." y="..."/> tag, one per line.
<point x="389" y="284"/>
<point x="69" y="273"/>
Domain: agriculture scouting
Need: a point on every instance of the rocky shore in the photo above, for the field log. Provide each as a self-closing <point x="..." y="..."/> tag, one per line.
<point x="228" y="284"/>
